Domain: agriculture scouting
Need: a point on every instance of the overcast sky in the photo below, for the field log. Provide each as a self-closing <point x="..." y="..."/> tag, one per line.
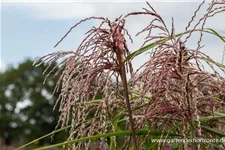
<point x="31" y="29"/>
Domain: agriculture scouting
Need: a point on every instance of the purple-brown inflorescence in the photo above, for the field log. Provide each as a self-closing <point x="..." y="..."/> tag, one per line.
<point x="93" y="69"/>
<point x="179" y="88"/>
<point x="173" y="89"/>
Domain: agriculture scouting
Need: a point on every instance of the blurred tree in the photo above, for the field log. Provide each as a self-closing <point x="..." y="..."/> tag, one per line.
<point x="26" y="105"/>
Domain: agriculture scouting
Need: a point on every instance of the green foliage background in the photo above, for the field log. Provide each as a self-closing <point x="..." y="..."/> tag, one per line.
<point x="21" y="83"/>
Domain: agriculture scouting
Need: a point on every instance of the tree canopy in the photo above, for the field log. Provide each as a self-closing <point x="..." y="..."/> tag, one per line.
<point x="26" y="105"/>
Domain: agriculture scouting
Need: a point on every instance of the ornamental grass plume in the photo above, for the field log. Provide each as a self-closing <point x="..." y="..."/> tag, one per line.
<point x="93" y="69"/>
<point x="175" y="78"/>
<point x="169" y="93"/>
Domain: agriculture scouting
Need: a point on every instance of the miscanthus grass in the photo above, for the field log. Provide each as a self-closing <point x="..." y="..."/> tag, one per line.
<point x="171" y="92"/>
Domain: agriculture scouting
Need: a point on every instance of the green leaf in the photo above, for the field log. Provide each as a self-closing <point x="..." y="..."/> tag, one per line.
<point x="216" y="33"/>
<point x="216" y="146"/>
<point x="115" y="125"/>
<point x="213" y="131"/>
<point x="44" y="137"/>
<point x="212" y="61"/>
<point x="209" y="118"/>
<point x="134" y="92"/>
<point x="145" y="48"/>
<point x="49" y="135"/>
<point x="219" y="113"/>
<point x="152" y="45"/>
<point x="120" y="133"/>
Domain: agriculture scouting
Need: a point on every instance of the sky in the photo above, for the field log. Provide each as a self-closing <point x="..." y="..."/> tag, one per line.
<point x="31" y="29"/>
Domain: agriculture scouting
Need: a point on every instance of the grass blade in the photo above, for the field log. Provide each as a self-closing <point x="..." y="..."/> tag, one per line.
<point x="152" y="45"/>
<point x="209" y="118"/>
<point x="212" y="61"/>
<point x="43" y="137"/>
<point x="213" y="131"/>
<point x="216" y="33"/>
<point x="120" y="133"/>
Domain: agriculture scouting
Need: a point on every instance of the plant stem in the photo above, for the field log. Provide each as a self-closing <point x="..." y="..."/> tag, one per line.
<point x="126" y="95"/>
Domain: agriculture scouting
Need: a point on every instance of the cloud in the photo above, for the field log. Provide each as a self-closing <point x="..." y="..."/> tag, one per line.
<point x="2" y="66"/>
<point x="54" y="11"/>
<point x="180" y="11"/>
<point x="58" y="10"/>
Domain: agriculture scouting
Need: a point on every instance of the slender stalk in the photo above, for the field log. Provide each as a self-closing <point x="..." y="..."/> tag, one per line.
<point x="126" y="95"/>
<point x="119" y="44"/>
